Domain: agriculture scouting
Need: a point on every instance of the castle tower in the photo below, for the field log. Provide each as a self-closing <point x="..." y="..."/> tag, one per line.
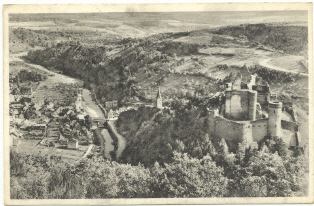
<point x="159" y="99"/>
<point x="274" y="118"/>
<point x="212" y="121"/>
<point x="252" y="104"/>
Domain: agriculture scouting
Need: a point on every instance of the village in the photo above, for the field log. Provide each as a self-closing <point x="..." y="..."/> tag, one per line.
<point x="51" y="117"/>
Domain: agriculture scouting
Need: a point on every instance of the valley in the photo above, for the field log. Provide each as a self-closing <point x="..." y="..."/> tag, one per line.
<point x="159" y="105"/>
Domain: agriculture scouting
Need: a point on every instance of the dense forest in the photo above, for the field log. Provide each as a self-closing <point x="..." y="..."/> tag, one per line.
<point x="247" y="173"/>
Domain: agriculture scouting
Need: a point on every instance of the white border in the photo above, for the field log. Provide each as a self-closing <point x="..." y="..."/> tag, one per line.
<point x="87" y="8"/>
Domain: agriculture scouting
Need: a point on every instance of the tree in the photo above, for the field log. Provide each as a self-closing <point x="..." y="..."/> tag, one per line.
<point x="88" y="121"/>
<point x="188" y="177"/>
<point x="264" y="175"/>
<point x="275" y="144"/>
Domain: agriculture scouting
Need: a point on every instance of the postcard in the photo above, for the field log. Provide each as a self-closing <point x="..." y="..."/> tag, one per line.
<point x="208" y="103"/>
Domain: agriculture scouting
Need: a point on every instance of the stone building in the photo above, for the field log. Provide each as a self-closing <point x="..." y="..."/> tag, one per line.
<point x="240" y="120"/>
<point x="73" y="144"/>
<point x="111" y="104"/>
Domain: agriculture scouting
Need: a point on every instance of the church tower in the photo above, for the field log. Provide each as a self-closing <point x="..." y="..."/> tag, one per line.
<point x="159" y="99"/>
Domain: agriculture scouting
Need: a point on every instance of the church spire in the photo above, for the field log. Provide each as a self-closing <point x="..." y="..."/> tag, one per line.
<point x="158" y="94"/>
<point x="158" y="103"/>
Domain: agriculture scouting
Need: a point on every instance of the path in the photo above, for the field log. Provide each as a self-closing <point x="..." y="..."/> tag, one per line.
<point x="88" y="151"/>
<point x="265" y="63"/>
<point x="56" y="77"/>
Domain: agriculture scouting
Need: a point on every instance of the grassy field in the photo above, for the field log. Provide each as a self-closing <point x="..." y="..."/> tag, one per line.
<point x="291" y="63"/>
<point x="16" y="67"/>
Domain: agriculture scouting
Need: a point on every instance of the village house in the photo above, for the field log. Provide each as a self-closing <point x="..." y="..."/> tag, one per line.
<point x="113" y="114"/>
<point x="111" y="104"/>
<point x="36" y="131"/>
<point x="53" y="130"/>
<point x="81" y="118"/>
<point x="26" y="100"/>
<point x="27" y="91"/>
<point x="73" y="144"/>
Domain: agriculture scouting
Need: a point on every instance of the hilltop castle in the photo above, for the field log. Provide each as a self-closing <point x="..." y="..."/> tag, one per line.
<point x="247" y="115"/>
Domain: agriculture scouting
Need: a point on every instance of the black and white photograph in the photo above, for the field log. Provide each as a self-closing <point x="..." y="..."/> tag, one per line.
<point x="134" y="102"/>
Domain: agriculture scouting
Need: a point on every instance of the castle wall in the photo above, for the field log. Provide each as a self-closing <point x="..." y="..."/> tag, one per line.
<point x="292" y="126"/>
<point x="259" y="129"/>
<point x="263" y="99"/>
<point x="233" y="132"/>
<point x="252" y="99"/>
<point x="228" y="103"/>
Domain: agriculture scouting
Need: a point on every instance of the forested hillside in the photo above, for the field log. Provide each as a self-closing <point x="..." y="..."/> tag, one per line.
<point x="185" y="132"/>
<point x="113" y="76"/>
<point x="22" y="39"/>
<point x="290" y="39"/>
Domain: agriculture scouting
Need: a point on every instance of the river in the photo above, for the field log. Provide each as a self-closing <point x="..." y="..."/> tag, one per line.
<point x="121" y="139"/>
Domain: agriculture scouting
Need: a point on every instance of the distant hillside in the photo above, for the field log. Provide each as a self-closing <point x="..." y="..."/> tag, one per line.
<point x="130" y="69"/>
<point x="118" y="75"/>
<point x="142" y="24"/>
<point x="289" y="39"/>
<point x="21" y="39"/>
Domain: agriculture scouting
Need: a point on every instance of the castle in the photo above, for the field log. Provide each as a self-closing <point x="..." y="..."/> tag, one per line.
<point x="247" y="115"/>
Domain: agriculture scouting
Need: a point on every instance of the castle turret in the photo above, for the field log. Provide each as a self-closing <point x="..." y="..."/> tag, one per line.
<point x="274" y="118"/>
<point x="211" y="120"/>
<point x="159" y="99"/>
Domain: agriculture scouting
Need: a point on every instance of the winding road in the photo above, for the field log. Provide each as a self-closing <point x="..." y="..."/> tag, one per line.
<point x="265" y="63"/>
